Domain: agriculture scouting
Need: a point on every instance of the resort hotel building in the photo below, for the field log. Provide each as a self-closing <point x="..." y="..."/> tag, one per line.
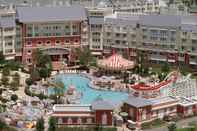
<point x="7" y="37"/>
<point x="58" y="29"/>
<point x="55" y="30"/>
<point x="170" y="38"/>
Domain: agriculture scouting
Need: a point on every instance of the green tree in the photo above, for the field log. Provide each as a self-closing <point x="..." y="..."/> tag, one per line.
<point x="52" y="124"/>
<point x="58" y="87"/>
<point x="165" y="68"/>
<point x="44" y="72"/>
<point x="16" y="79"/>
<point x="3" y="125"/>
<point x="29" y="81"/>
<point x="14" y="86"/>
<point x="2" y="58"/>
<point x="1" y="91"/>
<point x="35" y="76"/>
<point x="14" y="97"/>
<point x="6" y="71"/>
<point x="42" y="62"/>
<point x="172" y="127"/>
<point x="40" y="124"/>
<point x="5" y="80"/>
<point x="13" y="65"/>
<point x="85" y="56"/>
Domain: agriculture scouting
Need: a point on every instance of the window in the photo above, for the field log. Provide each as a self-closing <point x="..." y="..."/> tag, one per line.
<point x="36" y="28"/>
<point x="39" y="43"/>
<point x="29" y="60"/>
<point x="9" y="44"/>
<point x="57" y="42"/>
<point x="67" y="41"/>
<point x="76" y="41"/>
<point x="89" y="121"/>
<point x="29" y="51"/>
<point x="60" y="121"/>
<point x="29" y="43"/>
<point x="48" y="42"/>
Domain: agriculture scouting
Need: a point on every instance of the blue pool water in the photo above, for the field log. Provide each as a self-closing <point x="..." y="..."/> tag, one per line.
<point x="89" y="95"/>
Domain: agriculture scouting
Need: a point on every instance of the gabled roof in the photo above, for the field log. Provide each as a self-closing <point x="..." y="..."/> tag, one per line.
<point x="71" y="108"/>
<point x="138" y="101"/>
<point x="51" y="14"/>
<point x="100" y="104"/>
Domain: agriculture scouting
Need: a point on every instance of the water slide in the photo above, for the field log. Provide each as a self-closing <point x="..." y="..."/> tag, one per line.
<point x="170" y="78"/>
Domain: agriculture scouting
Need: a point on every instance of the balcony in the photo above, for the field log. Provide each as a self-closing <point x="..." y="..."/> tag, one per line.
<point x="194" y="36"/>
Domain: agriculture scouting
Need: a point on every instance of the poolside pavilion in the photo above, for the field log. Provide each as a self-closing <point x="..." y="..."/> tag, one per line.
<point x="116" y="63"/>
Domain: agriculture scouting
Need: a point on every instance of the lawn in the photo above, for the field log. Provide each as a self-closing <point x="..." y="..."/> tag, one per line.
<point x="192" y="127"/>
<point x="97" y="128"/>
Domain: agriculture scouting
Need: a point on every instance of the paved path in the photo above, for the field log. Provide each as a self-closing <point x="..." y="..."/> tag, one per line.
<point x="180" y="124"/>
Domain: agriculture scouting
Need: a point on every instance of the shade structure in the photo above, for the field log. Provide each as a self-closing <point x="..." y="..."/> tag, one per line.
<point x="123" y="114"/>
<point x="116" y="62"/>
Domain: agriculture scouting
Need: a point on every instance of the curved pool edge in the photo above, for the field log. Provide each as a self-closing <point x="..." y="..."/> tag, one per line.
<point x="105" y="94"/>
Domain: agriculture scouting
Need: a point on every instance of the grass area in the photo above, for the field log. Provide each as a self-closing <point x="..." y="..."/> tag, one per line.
<point x="97" y="128"/>
<point x="153" y="124"/>
<point x="192" y="127"/>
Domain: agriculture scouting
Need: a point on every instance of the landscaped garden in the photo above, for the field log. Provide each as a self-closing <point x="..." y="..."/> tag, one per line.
<point x="96" y="128"/>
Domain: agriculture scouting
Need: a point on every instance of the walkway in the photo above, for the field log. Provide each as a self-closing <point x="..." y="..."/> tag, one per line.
<point x="180" y="124"/>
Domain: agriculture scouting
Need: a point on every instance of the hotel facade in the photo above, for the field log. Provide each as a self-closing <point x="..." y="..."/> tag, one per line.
<point x="7" y="37"/>
<point x="55" y="30"/>
<point x="170" y="38"/>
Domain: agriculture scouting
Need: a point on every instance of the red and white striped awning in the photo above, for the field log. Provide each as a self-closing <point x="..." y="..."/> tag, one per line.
<point x="116" y="62"/>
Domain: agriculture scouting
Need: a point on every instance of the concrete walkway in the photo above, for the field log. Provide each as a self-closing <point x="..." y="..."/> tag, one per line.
<point x="180" y="124"/>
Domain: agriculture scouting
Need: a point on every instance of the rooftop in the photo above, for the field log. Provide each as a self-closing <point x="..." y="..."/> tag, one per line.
<point x="160" y="20"/>
<point x="160" y="100"/>
<point x="138" y="101"/>
<point x="70" y="107"/>
<point x="51" y="14"/>
<point x="101" y="104"/>
<point x="186" y="102"/>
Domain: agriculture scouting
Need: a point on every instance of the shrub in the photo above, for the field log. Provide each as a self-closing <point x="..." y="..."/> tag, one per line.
<point x="1" y="91"/>
<point x="6" y="71"/>
<point x="5" y="80"/>
<point x="29" y="81"/>
<point x="40" y="124"/>
<point x="52" y="124"/>
<point x="14" y="97"/>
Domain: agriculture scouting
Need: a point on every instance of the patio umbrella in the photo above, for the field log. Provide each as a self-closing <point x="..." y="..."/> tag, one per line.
<point x="123" y="114"/>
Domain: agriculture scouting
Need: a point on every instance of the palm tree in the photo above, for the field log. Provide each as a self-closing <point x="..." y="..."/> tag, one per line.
<point x="172" y="127"/>
<point x="40" y="124"/>
<point x="85" y="57"/>
<point x="52" y="124"/>
<point x="42" y="62"/>
<point x="58" y="87"/>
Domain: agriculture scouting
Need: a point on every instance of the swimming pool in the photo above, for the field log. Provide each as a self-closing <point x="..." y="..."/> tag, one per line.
<point x="89" y="94"/>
